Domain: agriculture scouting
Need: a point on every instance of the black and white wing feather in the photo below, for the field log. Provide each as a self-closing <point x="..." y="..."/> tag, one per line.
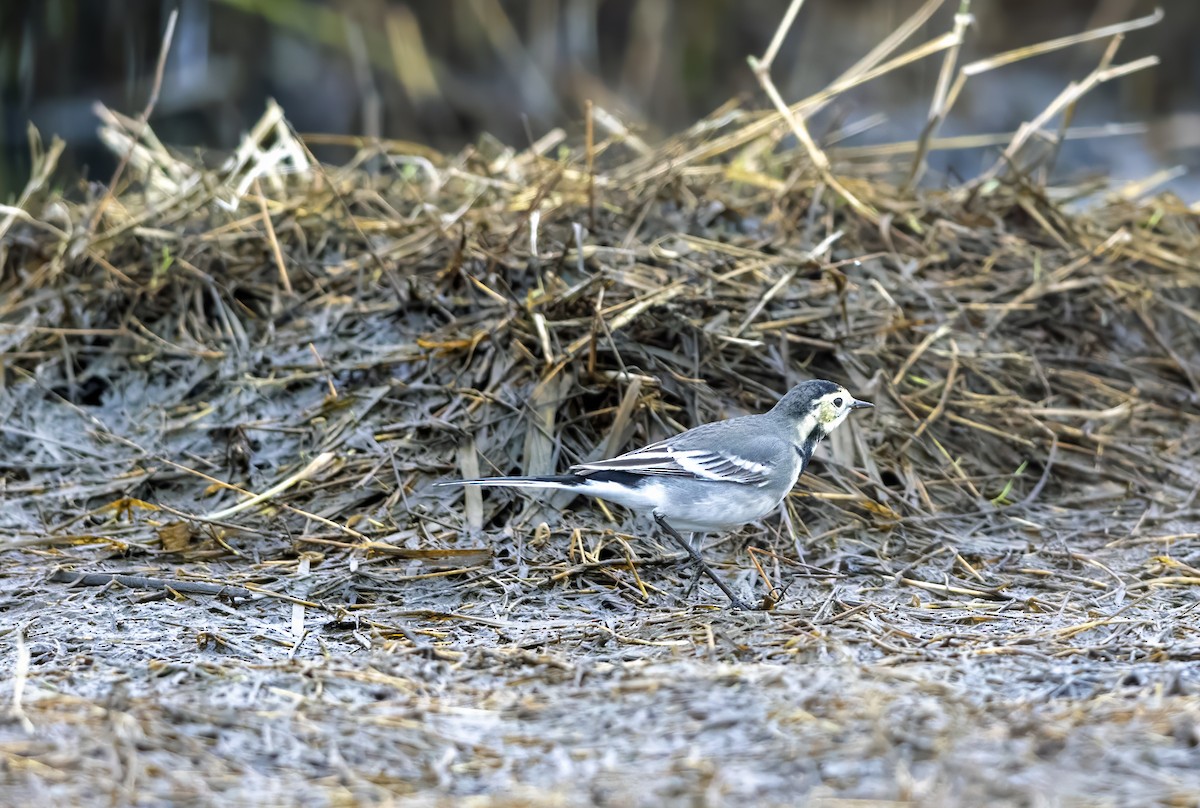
<point x="670" y="458"/>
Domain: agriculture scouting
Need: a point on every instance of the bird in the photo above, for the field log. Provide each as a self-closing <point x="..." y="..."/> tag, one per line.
<point x="714" y="477"/>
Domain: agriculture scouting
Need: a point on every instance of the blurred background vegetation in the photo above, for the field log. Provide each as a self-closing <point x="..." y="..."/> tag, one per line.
<point x="442" y="72"/>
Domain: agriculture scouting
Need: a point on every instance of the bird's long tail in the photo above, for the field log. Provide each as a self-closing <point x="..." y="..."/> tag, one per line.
<point x="562" y="482"/>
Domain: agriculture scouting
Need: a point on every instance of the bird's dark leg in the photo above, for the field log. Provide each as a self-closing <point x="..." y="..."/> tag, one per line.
<point x="734" y="601"/>
<point x="697" y="575"/>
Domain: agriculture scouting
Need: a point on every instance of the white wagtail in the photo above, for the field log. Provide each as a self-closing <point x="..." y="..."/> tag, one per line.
<point x="718" y="476"/>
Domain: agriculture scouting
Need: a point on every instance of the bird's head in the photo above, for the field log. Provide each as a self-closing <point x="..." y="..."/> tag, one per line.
<point x="818" y="406"/>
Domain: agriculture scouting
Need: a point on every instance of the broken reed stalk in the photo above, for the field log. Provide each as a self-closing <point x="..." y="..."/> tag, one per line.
<point x="938" y="107"/>
<point x="762" y="71"/>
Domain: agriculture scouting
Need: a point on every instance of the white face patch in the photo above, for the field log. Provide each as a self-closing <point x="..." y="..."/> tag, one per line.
<point x="829" y="413"/>
<point x="825" y="414"/>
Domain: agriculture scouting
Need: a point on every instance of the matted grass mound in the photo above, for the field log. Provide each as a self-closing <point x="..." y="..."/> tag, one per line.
<point x="233" y="388"/>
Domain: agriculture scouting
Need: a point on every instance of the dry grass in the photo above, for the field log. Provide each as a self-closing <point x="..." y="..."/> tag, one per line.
<point x="243" y="380"/>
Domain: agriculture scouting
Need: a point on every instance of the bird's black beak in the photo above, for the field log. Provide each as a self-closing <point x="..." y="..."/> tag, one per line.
<point x="855" y="404"/>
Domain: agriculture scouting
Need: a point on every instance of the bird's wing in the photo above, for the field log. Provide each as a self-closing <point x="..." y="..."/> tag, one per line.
<point x="689" y="455"/>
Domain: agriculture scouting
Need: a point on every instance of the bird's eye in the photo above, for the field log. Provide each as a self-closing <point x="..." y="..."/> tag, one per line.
<point x="837" y="402"/>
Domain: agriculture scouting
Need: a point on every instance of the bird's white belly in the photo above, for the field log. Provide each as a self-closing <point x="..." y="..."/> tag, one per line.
<point x="706" y="507"/>
<point x="719" y="510"/>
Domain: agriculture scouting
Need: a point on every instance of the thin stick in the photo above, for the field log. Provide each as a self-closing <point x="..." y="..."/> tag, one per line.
<point x="321" y="364"/>
<point x="938" y="106"/>
<point x="20" y="677"/>
<point x="142" y="582"/>
<point x="143" y="120"/>
<point x="1051" y="45"/>
<point x="591" y="165"/>
<point x="780" y="34"/>
<point x="316" y="466"/>
<point x="762" y="71"/>
<point x="276" y="252"/>
<point x="1068" y="115"/>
